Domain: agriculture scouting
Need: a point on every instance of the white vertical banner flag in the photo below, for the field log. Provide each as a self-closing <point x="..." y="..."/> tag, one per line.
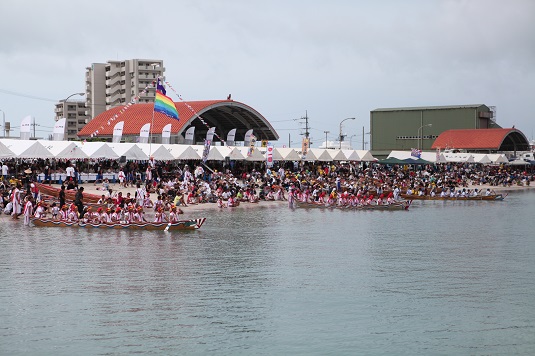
<point x="247" y="139"/>
<point x="210" y="134"/>
<point x="231" y="138"/>
<point x="166" y="134"/>
<point x="269" y="155"/>
<point x="25" y="128"/>
<point x="118" y="132"/>
<point x="58" y="134"/>
<point x="144" y="133"/>
<point x="189" y="136"/>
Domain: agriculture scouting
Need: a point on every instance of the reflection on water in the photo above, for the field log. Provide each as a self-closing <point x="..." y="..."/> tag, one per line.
<point x="452" y="277"/>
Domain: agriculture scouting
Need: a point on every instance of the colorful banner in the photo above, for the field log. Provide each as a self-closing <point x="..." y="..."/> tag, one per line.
<point x="144" y="133"/>
<point x="118" y="132"/>
<point x="269" y="155"/>
<point x="252" y="143"/>
<point x="166" y="134"/>
<point x="206" y="150"/>
<point x="25" y="128"/>
<point x="416" y="152"/>
<point x="304" y="147"/>
<point x="58" y="134"/>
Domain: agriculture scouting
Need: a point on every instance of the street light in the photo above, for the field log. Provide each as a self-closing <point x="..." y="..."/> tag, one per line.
<point x="326" y="132"/>
<point x="341" y="137"/>
<point x="418" y="135"/>
<point x="65" y="105"/>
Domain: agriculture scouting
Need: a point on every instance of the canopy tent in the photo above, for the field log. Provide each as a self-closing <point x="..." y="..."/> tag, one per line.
<point x="27" y="149"/>
<point x="156" y="150"/>
<point x="484" y="159"/>
<point x="5" y="152"/>
<point x="322" y="155"/>
<point x="256" y="156"/>
<point x="366" y="156"/>
<point x="130" y="151"/>
<point x="498" y="158"/>
<point x="351" y="155"/>
<point x="236" y="154"/>
<point x="64" y="149"/>
<point x="337" y="155"/>
<point x="287" y="154"/>
<point x="97" y="150"/>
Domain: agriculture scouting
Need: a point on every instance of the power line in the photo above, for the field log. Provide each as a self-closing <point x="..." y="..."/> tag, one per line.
<point x="26" y="95"/>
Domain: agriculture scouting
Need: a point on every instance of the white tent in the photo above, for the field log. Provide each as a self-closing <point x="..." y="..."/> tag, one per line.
<point x="156" y="150"/>
<point x="337" y="155"/>
<point x="498" y="158"/>
<point x="27" y="149"/>
<point x="233" y="153"/>
<point x="5" y="152"/>
<point x="321" y="154"/>
<point x="484" y="159"/>
<point x="287" y="154"/>
<point x="351" y="155"/>
<point x="257" y="156"/>
<point x="96" y="150"/>
<point x="366" y="156"/>
<point x="129" y="150"/>
<point x="64" y="149"/>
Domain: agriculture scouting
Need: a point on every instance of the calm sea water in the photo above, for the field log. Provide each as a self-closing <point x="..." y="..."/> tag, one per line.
<point x="447" y="278"/>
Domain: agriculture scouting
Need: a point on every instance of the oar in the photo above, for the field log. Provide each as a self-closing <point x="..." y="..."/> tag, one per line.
<point x="167" y="227"/>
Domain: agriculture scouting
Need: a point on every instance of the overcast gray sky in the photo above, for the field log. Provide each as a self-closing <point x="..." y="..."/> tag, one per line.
<point x="332" y="59"/>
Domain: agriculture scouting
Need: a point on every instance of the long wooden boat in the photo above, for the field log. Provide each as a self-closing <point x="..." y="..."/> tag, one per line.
<point x="69" y="194"/>
<point x="399" y="205"/>
<point x="492" y="197"/>
<point x="191" y="224"/>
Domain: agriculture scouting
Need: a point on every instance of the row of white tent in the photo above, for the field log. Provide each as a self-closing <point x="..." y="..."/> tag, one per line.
<point x="10" y="148"/>
<point x="458" y="157"/>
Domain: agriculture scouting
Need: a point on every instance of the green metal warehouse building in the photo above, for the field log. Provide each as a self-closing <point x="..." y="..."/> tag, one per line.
<point x="418" y="127"/>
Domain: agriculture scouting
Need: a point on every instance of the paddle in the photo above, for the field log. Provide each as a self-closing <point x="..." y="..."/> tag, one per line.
<point x="167" y="227"/>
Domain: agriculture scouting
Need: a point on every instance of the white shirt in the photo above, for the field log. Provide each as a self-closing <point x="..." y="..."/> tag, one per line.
<point x="70" y="171"/>
<point x="5" y="170"/>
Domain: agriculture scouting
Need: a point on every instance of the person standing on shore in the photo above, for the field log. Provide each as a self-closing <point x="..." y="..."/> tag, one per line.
<point x="28" y="209"/>
<point x="15" y="200"/>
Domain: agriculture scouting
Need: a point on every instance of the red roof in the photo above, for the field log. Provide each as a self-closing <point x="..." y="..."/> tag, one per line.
<point x="486" y="139"/>
<point x="137" y="115"/>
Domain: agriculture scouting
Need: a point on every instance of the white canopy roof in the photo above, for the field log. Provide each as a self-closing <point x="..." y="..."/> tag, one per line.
<point x="287" y="154"/>
<point x="156" y="150"/>
<point x="5" y="152"/>
<point x="257" y="156"/>
<point x="129" y="150"/>
<point x="64" y="149"/>
<point x="97" y="150"/>
<point x="27" y="148"/>
<point x="321" y="154"/>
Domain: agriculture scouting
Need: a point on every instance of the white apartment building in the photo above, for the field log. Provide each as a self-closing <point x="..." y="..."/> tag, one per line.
<point x="108" y="85"/>
<point x="116" y="83"/>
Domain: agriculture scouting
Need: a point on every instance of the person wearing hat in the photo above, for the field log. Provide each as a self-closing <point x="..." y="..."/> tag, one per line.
<point x="105" y="216"/>
<point x="160" y="216"/>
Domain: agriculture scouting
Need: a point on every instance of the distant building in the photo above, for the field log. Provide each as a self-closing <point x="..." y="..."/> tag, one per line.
<point x="75" y="113"/>
<point x="108" y="85"/>
<point x="417" y="127"/>
<point x="116" y="83"/>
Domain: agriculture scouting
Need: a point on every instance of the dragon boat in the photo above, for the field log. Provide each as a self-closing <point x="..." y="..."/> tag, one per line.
<point x="492" y="197"/>
<point x="191" y="224"/>
<point x="398" y="205"/>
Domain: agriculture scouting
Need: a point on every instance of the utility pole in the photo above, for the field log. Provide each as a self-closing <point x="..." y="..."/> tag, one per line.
<point x="307" y="128"/>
